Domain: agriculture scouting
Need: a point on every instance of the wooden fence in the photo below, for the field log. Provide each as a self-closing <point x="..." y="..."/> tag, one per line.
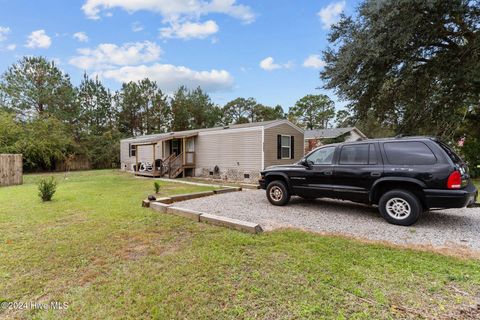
<point x="73" y="164"/>
<point x="11" y="169"/>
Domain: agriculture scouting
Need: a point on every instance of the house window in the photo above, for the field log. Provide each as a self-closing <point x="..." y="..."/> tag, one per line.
<point x="133" y="150"/>
<point x="286" y="147"/>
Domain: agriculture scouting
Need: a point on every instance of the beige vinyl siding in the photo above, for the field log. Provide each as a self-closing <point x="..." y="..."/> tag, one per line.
<point x="240" y="150"/>
<point x="145" y="154"/>
<point x="271" y="144"/>
<point x="126" y="161"/>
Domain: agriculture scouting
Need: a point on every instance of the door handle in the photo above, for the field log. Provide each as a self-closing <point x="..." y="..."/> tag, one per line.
<point x="328" y="173"/>
<point x="375" y="174"/>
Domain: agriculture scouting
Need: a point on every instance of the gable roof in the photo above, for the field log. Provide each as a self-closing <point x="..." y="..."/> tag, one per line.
<point x="187" y="133"/>
<point x="330" y="133"/>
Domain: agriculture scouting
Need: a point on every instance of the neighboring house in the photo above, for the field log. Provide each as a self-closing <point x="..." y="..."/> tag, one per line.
<point x="236" y="152"/>
<point x="316" y="138"/>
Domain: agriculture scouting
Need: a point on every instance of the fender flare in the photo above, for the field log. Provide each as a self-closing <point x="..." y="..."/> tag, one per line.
<point x="375" y="185"/>
<point x="279" y="174"/>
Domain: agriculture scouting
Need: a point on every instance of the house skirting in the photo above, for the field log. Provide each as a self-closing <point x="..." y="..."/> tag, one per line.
<point x="229" y="174"/>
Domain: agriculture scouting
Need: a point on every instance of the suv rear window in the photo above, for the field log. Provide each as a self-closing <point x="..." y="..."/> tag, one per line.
<point x="455" y="158"/>
<point x="409" y="153"/>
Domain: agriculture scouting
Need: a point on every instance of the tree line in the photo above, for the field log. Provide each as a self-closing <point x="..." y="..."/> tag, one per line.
<point x="48" y="120"/>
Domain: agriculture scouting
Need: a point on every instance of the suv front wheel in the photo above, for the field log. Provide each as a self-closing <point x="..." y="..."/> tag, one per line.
<point x="400" y="207"/>
<point x="277" y="193"/>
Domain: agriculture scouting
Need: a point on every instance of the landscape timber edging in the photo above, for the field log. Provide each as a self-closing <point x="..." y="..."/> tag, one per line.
<point x="159" y="206"/>
<point x="188" y="196"/>
<point x="226" y="190"/>
<point x="165" y="205"/>
<point x="231" y="223"/>
<point x="186" y="213"/>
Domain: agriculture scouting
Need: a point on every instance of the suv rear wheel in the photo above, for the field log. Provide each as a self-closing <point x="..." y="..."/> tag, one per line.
<point x="400" y="207"/>
<point x="277" y="193"/>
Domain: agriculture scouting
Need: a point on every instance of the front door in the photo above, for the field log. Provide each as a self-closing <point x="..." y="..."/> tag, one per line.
<point x="318" y="176"/>
<point x="175" y="146"/>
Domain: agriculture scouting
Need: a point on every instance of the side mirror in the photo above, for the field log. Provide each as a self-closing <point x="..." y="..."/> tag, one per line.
<point x="304" y="162"/>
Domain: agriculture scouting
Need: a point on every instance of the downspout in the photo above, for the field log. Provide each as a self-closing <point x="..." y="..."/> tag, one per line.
<point x="263" y="148"/>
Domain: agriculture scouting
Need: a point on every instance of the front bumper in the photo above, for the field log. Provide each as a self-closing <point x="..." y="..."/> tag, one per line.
<point x="436" y="198"/>
<point x="262" y="184"/>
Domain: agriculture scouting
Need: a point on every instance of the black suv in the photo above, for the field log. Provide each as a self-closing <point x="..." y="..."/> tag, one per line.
<point x="403" y="176"/>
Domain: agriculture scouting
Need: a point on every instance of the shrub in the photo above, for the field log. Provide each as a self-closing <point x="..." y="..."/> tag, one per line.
<point x="47" y="188"/>
<point x="471" y="154"/>
<point x="156" y="185"/>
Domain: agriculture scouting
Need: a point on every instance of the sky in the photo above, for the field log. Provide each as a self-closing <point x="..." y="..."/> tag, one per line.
<point x="266" y="49"/>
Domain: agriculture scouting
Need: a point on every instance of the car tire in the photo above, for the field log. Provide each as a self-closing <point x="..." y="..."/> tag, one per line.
<point x="277" y="193"/>
<point x="400" y="207"/>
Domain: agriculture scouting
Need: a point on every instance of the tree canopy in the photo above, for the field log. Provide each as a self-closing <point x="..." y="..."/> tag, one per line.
<point x="313" y="112"/>
<point x="35" y="86"/>
<point x="414" y="65"/>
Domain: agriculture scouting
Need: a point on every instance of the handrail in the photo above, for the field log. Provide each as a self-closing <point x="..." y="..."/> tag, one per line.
<point x="174" y="164"/>
<point x="169" y="158"/>
<point x="166" y="164"/>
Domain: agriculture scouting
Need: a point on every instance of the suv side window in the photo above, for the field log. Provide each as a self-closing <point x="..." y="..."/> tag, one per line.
<point x="355" y="154"/>
<point x="322" y="156"/>
<point x="409" y="153"/>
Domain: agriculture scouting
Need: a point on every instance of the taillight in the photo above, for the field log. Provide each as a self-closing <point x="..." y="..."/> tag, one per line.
<point x="454" y="180"/>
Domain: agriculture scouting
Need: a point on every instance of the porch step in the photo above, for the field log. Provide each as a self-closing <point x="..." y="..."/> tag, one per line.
<point x="177" y="172"/>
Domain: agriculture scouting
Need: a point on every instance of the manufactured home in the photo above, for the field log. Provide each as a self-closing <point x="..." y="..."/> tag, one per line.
<point x="235" y="152"/>
<point x="316" y="138"/>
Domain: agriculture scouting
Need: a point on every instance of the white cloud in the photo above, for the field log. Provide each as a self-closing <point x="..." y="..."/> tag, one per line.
<point x="137" y="27"/>
<point x="170" y="77"/>
<point x="331" y="14"/>
<point x="80" y="36"/>
<point x="108" y="55"/>
<point x="189" y="30"/>
<point x="314" y="61"/>
<point x="11" y="47"/>
<point x="38" y="39"/>
<point x="4" y="31"/>
<point x="268" y="64"/>
<point x="136" y="61"/>
<point x="172" y="10"/>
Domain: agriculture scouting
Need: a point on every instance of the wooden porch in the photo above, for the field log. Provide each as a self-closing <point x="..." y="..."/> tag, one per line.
<point x="177" y="156"/>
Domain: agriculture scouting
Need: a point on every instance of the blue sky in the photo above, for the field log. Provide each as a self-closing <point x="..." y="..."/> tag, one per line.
<point x="266" y="49"/>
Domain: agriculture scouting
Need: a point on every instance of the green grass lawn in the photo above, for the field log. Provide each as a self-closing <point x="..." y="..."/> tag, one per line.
<point x="95" y="248"/>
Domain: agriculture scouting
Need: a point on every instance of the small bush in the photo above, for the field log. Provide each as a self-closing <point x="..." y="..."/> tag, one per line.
<point x="156" y="185"/>
<point x="47" y="188"/>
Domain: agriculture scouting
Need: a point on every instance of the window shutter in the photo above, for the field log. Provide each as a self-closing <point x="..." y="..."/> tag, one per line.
<point x="292" y="147"/>
<point x="129" y="150"/>
<point x="279" y="146"/>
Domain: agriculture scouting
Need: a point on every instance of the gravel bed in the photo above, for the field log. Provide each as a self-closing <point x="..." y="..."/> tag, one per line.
<point x="453" y="228"/>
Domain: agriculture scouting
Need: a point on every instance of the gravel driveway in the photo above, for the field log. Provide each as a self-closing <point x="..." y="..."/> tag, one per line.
<point x="453" y="228"/>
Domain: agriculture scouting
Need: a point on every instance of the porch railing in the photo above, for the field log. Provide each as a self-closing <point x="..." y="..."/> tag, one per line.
<point x="176" y="165"/>
<point x="165" y="165"/>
